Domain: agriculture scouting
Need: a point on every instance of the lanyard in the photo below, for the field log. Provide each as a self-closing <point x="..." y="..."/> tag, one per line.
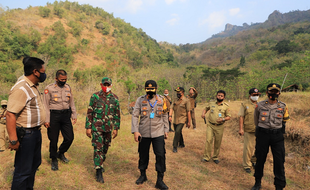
<point x="152" y="106"/>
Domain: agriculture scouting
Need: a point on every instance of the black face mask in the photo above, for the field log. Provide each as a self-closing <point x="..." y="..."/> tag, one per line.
<point x="42" y="76"/>
<point x="179" y="95"/>
<point x="151" y="94"/>
<point x="61" y="83"/>
<point x="273" y="96"/>
<point x="3" y="107"/>
<point x="219" y="100"/>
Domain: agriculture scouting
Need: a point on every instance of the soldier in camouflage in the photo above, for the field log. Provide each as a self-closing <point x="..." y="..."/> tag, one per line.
<point x="102" y="123"/>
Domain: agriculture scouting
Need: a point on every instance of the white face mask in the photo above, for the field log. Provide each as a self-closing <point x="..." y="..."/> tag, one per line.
<point x="254" y="98"/>
<point x="108" y="90"/>
<point x="166" y="94"/>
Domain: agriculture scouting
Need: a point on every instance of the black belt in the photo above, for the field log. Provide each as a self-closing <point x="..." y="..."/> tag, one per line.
<point x="269" y="131"/>
<point x="60" y="111"/>
<point x="216" y="124"/>
<point x="37" y="128"/>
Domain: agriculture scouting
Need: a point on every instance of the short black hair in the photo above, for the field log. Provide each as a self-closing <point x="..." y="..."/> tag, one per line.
<point x="221" y="91"/>
<point x="61" y="72"/>
<point x="32" y="63"/>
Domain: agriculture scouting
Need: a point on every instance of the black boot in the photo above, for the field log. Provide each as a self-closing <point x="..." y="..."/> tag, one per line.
<point x="279" y="188"/>
<point x="142" y="177"/>
<point x="54" y="165"/>
<point x="159" y="183"/>
<point x="99" y="177"/>
<point x="257" y="185"/>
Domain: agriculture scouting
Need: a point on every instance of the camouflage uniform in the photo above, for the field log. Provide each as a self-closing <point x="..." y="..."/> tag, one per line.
<point x="103" y="116"/>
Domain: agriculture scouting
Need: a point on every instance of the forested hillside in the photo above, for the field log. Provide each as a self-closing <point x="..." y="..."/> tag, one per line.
<point x="90" y="43"/>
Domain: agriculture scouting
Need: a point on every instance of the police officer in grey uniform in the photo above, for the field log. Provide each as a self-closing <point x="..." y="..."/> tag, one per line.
<point x="150" y="125"/>
<point x="59" y="105"/>
<point x="270" y="117"/>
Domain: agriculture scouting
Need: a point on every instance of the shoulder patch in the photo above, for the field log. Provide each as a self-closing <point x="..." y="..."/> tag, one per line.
<point x="45" y="91"/>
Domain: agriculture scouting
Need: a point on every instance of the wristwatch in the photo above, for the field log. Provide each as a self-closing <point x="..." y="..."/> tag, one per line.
<point x="13" y="142"/>
<point x="223" y="119"/>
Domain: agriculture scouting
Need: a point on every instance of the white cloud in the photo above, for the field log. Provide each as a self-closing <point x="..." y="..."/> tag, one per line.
<point x="233" y="12"/>
<point x="169" y="1"/>
<point x="174" y="20"/>
<point x="134" y="5"/>
<point x="214" y="20"/>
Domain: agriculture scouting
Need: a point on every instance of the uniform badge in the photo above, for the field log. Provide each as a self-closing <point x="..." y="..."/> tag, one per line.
<point x="263" y="118"/>
<point x="159" y="113"/>
<point x="256" y="106"/>
<point x="45" y="91"/>
<point x="56" y="99"/>
<point x="279" y="115"/>
<point x="159" y="108"/>
<point x="144" y="113"/>
<point x="264" y="113"/>
<point x="68" y="94"/>
<point x="280" y="109"/>
<point x="144" y="108"/>
<point x="144" y="102"/>
<point x="159" y="101"/>
<point x="55" y="95"/>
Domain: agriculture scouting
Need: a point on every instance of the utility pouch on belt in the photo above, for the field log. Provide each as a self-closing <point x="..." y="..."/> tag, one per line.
<point x="20" y="131"/>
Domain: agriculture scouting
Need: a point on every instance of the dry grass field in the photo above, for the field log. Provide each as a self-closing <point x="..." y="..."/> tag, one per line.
<point x="185" y="171"/>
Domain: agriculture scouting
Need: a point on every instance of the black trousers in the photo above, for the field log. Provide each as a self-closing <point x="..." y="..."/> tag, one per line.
<point x="264" y="140"/>
<point x="27" y="160"/>
<point x="60" y="122"/>
<point x="158" y="144"/>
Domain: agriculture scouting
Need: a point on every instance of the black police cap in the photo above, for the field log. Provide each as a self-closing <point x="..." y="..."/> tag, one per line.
<point x="273" y="86"/>
<point x="254" y="90"/>
<point x="150" y="84"/>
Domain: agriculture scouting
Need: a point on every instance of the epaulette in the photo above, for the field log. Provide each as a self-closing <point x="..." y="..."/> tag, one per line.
<point x="279" y="102"/>
<point x="226" y="104"/>
<point x="115" y="96"/>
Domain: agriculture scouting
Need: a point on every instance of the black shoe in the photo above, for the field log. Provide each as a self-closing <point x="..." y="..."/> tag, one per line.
<point x="247" y="170"/>
<point x="54" y="164"/>
<point x="175" y="150"/>
<point x="279" y="188"/>
<point x="182" y="146"/>
<point x="160" y="183"/>
<point x="204" y="160"/>
<point x="256" y="187"/>
<point x="62" y="157"/>
<point x="142" y="177"/>
<point x="216" y="161"/>
<point x="99" y="177"/>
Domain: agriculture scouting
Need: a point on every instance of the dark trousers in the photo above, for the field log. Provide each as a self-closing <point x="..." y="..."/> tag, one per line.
<point x="276" y="142"/>
<point x="170" y="129"/>
<point x="60" y="122"/>
<point x="158" y="144"/>
<point x="27" y="160"/>
<point x="178" y="137"/>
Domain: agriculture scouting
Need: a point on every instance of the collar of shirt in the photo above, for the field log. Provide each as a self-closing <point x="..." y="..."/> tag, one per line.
<point x="29" y="82"/>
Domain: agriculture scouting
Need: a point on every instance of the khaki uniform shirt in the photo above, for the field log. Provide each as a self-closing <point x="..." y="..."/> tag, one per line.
<point x="192" y="99"/>
<point x="2" y="115"/>
<point x="247" y="112"/>
<point x="58" y="98"/>
<point x="180" y="108"/>
<point x="270" y="116"/>
<point x="168" y="102"/>
<point x="147" y="127"/>
<point x="215" y="109"/>
<point x="26" y="102"/>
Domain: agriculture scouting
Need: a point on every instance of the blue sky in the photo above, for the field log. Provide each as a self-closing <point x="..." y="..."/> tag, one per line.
<point x="183" y="21"/>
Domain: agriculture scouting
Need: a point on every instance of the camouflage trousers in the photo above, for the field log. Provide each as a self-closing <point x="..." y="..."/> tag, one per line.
<point x="101" y="142"/>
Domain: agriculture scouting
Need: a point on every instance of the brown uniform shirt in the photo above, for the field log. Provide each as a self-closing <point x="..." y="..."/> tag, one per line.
<point x="215" y="109"/>
<point x="2" y="115"/>
<point x="180" y="108"/>
<point x="168" y="102"/>
<point x="270" y="116"/>
<point x="141" y="121"/>
<point x="247" y="112"/>
<point x="58" y="98"/>
<point x="192" y="98"/>
<point x="26" y="102"/>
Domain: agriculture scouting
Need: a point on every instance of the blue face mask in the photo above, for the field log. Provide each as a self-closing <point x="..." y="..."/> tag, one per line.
<point x="42" y="77"/>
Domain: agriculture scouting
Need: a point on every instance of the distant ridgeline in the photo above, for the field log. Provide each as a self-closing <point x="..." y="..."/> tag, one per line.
<point x="275" y="19"/>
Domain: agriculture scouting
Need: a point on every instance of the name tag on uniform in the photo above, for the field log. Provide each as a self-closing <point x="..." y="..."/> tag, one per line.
<point x="152" y="115"/>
